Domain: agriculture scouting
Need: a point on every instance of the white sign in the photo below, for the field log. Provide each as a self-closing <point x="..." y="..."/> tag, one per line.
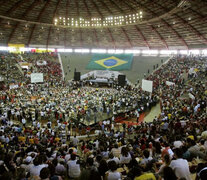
<point x="36" y="77"/>
<point x="41" y="63"/>
<point x="25" y="67"/>
<point x="147" y="85"/>
<point x="13" y="86"/>
<point x="168" y="83"/>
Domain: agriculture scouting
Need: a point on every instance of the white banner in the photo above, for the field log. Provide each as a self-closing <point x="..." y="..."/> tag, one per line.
<point x="13" y="86"/>
<point x="147" y="85"/>
<point x="36" y="77"/>
<point x="25" y="65"/>
<point x="168" y="83"/>
<point x="41" y="63"/>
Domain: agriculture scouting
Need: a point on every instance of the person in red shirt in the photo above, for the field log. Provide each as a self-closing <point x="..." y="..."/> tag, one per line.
<point x="165" y="151"/>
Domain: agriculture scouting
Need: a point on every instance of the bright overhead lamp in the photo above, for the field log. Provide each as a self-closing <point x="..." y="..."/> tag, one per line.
<point x="150" y="52"/>
<point x="111" y="51"/>
<point x="183" y="52"/>
<point x="168" y="52"/>
<point x="132" y="51"/>
<point x="194" y="52"/>
<point x="204" y="51"/>
<point x="119" y="51"/>
<point x="3" y="48"/>
<point x="82" y="50"/>
<point x="98" y="50"/>
<point x="64" y="50"/>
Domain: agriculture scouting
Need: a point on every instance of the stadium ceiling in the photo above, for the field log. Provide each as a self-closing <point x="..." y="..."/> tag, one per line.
<point x="148" y="24"/>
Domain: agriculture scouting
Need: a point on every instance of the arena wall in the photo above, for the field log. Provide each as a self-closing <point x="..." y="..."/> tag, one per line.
<point x="140" y="65"/>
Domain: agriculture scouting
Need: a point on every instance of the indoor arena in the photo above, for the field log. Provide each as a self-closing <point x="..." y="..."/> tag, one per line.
<point x="103" y="90"/>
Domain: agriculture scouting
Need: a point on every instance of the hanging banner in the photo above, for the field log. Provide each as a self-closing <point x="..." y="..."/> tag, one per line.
<point x="41" y="63"/>
<point x="25" y="65"/>
<point x="13" y="86"/>
<point x="114" y="62"/>
<point x="42" y="50"/>
<point x="15" y="48"/>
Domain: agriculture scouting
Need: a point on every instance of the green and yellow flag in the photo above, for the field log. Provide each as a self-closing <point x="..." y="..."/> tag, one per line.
<point x="114" y="62"/>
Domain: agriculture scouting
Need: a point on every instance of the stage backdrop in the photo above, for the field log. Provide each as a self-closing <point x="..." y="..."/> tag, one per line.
<point x="114" y="62"/>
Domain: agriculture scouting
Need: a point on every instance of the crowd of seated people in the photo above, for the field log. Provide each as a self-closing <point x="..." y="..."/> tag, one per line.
<point x="8" y="69"/>
<point x="56" y="101"/>
<point x="172" y="146"/>
<point x="48" y="65"/>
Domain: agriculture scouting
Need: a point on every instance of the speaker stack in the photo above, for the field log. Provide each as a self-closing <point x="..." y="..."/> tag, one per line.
<point x="77" y="76"/>
<point x="121" y="80"/>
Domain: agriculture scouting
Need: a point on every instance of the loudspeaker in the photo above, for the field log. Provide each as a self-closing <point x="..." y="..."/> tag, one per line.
<point x="121" y="80"/>
<point x="77" y="76"/>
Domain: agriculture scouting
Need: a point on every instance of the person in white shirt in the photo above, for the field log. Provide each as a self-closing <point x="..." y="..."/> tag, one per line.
<point x="27" y="163"/>
<point x="7" y="139"/>
<point x="12" y="113"/>
<point x="73" y="167"/>
<point x="18" y="115"/>
<point x="112" y="174"/>
<point x="177" y="143"/>
<point x="196" y="108"/>
<point x="112" y="158"/>
<point x="146" y="158"/>
<point x="116" y="150"/>
<point x="137" y="115"/>
<point x="68" y="156"/>
<point x="125" y="156"/>
<point x="180" y="165"/>
<point x="75" y="141"/>
<point x="34" y="123"/>
<point x="23" y="121"/>
<point x="38" y="125"/>
<point x="36" y="167"/>
<point x="42" y="113"/>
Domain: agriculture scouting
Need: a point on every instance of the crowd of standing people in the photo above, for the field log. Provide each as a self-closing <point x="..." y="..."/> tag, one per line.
<point x="173" y="146"/>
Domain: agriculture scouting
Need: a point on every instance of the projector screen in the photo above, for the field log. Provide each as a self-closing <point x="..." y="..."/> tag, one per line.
<point x="147" y="85"/>
<point x="36" y="77"/>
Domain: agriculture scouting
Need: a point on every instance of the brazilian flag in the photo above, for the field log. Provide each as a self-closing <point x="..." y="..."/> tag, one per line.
<point x="114" y="62"/>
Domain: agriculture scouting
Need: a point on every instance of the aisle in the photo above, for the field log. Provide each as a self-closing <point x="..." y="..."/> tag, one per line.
<point x="155" y="111"/>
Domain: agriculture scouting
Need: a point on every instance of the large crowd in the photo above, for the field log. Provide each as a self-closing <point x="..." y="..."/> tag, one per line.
<point x="173" y="146"/>
<point x="57" y="100"/>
